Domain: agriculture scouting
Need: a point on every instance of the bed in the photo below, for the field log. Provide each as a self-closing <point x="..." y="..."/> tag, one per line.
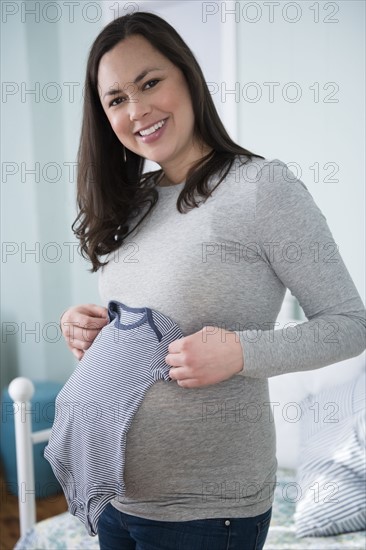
<point x="67" y="532"/>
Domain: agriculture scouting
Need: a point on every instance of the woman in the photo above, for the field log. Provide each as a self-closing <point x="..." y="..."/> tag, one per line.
<point x="212" y="240"/>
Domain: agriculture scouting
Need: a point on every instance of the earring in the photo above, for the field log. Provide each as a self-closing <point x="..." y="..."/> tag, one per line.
<point x="116" y="237"/>
<point x="124" y="154"/>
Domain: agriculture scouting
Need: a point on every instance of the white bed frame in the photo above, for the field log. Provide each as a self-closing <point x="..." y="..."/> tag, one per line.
<point x="21" y="391"/>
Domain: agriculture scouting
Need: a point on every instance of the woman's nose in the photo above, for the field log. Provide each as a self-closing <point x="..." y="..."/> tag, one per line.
<point x="138" y="107"/>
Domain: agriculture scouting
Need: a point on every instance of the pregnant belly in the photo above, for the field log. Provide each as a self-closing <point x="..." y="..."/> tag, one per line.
<point x="182" y="440"/>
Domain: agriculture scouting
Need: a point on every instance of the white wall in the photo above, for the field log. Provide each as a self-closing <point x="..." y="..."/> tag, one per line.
<point x="321" y="127"/>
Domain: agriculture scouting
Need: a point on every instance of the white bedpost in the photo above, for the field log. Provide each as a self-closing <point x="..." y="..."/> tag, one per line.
<point x="21" y="391"/>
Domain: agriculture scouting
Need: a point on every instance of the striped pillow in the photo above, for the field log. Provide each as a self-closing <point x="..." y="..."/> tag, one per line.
<point x="331" y="474"/>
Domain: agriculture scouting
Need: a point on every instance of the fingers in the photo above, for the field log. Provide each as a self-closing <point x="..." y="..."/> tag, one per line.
<point x="186" y="377"/>
<point x="79" y="340"/>
<point x="96" y="311"/>
<point x="82" y="333"/>
<point x="80" y="336"/>
<point x="178" y="345"/>
<point x="87" y="325"/>
<point x="80" y="326"/>
<point x="179" y="374"/>
<point x="78" y="353"/>
<point x="82" y="315"/>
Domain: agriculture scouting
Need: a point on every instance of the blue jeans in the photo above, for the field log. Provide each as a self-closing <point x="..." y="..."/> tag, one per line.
<point x="120" y="531"/>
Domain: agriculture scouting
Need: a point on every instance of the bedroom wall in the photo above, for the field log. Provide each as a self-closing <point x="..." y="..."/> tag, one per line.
<point x="43" y="57"/>
<point x="301" y="83"/>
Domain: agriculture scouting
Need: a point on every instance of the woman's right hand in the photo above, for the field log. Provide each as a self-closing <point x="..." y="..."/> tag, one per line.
<point x="80" y="326"/>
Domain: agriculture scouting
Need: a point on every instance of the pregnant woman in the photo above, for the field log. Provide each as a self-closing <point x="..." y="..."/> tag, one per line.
<point x="212" y="240"/>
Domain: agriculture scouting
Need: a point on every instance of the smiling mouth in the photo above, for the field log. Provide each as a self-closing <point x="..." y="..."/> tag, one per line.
<point x="152" y="129"/>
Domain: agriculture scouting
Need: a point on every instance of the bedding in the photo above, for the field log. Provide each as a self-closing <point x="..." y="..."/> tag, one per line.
<point x="282" y="535"/>
<point x="332" y="467"/>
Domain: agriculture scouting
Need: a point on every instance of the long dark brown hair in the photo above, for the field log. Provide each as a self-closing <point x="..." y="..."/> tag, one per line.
<point x="111" y="186"/>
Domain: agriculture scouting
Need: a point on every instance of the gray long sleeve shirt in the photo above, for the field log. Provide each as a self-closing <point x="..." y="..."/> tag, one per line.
<point x="210" y="452"/>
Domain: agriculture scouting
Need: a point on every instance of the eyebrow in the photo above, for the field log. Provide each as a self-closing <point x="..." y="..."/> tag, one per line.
<point x="114" y="91"/>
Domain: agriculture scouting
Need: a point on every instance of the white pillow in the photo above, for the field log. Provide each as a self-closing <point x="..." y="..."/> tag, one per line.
<point x="287" y="391"/>
<point x="338" y="373"/>
<point x="331" y="474"/>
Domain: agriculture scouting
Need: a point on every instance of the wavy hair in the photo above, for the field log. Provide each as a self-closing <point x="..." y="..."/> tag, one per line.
<point x="112" y="188"/>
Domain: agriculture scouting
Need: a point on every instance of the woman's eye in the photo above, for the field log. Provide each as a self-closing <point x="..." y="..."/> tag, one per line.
<point x="151" y="84"/>
<point x="116" y="101"/>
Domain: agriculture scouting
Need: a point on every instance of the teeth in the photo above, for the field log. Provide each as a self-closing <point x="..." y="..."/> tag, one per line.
<point x="153" y="128"/>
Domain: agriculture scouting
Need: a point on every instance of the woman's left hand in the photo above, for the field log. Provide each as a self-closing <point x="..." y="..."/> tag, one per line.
<point x="206" y="357"/>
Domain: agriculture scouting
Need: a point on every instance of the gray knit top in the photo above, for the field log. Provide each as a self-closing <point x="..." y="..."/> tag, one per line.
<point x="210" y="452"/>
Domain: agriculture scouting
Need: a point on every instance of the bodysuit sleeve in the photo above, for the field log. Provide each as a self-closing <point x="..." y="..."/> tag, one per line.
<point x="158" y="367"/>
<point x="294" y="240"/>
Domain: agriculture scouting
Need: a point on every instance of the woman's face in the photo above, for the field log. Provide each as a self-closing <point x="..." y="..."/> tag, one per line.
<point x="148" y="105"/>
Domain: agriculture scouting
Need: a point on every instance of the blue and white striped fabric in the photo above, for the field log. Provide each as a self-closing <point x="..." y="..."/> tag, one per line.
<point x="95" y="408"/>
<point x="331" y="475"/>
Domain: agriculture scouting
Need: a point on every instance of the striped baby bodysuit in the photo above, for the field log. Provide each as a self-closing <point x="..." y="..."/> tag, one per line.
<point x="96" y="406"/>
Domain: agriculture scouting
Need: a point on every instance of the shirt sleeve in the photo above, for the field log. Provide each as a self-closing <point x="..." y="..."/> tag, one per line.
<point x="295" y="241"/>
